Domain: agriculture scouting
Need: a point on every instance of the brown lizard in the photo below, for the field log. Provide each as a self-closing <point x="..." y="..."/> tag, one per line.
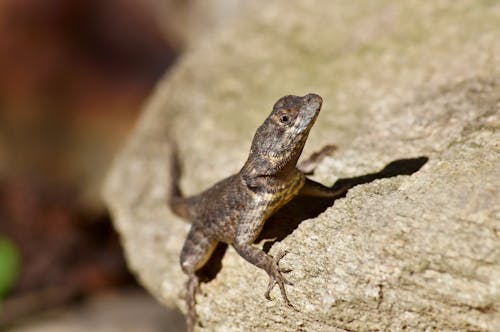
<point x="235" y="209"/>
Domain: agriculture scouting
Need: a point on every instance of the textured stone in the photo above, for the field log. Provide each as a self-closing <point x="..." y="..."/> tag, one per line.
<point x="400" y="80"/>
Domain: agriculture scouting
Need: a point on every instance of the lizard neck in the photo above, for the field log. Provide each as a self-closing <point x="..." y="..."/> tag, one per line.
<point x="271" y="166"/>
<point x="268" y="175"/>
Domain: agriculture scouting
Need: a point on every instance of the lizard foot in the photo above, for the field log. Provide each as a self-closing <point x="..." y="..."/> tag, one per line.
<point x="193" y="287"/>
<point x="276" y="278"/>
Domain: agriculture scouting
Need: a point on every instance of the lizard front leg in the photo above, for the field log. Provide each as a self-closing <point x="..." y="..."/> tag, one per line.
<point x="243" y="244"/>
<point x="313" y="188"/>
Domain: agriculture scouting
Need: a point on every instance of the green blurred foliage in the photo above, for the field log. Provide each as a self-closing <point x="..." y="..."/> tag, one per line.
<point x="9" y="265"/>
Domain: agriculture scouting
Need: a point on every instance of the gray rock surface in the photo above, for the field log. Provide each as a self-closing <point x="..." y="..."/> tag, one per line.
<point x="400" y="80"/>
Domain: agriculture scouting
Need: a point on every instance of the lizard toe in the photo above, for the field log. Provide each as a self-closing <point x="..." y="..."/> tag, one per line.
<point x="284" y="270"/>
<point x="276" y="278"/>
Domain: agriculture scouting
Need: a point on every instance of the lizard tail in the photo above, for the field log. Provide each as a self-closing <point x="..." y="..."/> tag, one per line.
<point x="178" y="204"/>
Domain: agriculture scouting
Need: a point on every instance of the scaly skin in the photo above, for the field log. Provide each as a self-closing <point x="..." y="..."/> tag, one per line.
<point x="235" y="209"/>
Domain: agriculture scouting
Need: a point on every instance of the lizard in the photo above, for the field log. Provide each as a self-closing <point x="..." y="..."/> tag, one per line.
<point x="234" y="210"/>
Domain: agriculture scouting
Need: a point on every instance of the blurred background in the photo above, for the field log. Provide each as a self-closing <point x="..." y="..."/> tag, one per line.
<point x="74" y="74"/>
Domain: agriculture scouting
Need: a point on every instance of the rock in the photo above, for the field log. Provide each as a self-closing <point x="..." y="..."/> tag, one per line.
<point x="410" y="88"/>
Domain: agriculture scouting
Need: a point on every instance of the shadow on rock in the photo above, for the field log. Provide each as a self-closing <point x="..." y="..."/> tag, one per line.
<point x="289" y="217"/>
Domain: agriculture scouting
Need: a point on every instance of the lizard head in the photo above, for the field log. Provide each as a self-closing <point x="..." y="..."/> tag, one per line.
<point x="279" y="141"/>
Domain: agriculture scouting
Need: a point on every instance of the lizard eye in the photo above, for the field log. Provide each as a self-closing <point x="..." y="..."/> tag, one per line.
<point x="284" y="118"/>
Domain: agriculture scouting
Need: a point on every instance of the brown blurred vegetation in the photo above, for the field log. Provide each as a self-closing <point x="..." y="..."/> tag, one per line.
<point x="73" y="75"/>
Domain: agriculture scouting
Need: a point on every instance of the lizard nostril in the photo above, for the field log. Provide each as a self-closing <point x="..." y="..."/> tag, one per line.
<point x="312" y="97"/>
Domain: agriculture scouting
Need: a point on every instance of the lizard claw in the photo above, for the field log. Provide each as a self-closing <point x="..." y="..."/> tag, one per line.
<point x="283" y="270"/>
<point x="276" y="278"/>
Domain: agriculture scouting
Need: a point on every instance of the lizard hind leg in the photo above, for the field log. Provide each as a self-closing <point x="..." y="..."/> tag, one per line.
<point x="196" y="251"/>
<point x="193" y="286"/>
